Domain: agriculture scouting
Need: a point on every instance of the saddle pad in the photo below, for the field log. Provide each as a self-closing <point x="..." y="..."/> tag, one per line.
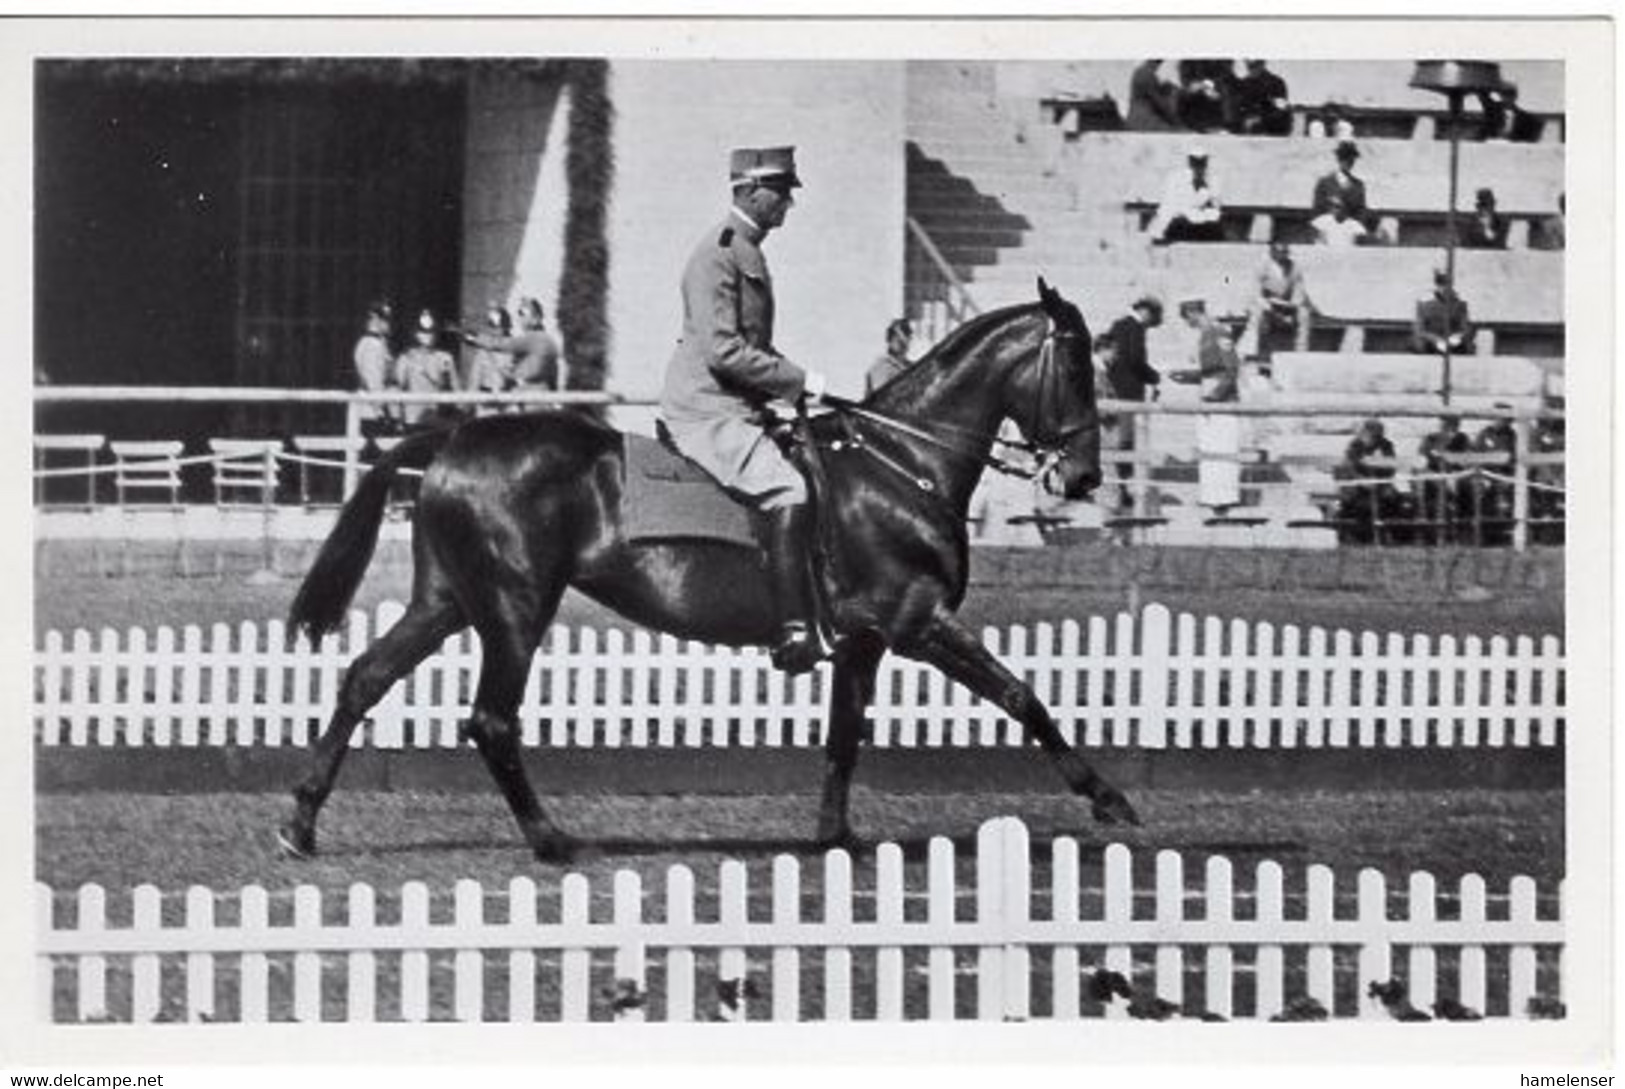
<point x="667" y="496"/>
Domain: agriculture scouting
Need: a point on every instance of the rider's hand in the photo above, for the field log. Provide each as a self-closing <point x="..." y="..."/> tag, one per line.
<point x="814" y="387"/>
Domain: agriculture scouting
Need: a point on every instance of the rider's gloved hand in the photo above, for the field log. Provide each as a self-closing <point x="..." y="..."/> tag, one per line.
<point x="814" y="387"/>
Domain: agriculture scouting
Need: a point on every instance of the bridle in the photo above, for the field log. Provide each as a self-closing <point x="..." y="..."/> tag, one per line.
<point x="1045" y="445"/>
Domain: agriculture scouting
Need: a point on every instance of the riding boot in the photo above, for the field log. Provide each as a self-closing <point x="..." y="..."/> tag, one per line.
<point x="798" y="648"/>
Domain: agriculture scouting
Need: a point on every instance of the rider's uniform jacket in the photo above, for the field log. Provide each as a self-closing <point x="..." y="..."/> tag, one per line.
<point x="725" y="363"/>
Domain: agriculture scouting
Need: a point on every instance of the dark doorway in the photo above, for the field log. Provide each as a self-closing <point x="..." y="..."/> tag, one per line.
<point x="230" y="233"/>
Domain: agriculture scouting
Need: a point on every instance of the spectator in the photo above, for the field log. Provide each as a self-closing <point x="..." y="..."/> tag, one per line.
<point x="1443" y="501"/>
<point x="425" y="368"/>
<point x="1262" y="106"/>
<point x="1281" y="305"/>
<point x="1213" y="355"/>
<point x="1206" y="94"/>
<point x="534" y="353"/>
<point x="895" y="361"/>
<point x="1336" y="227"/>
<point x="1130" y="375"/>
<point x="1153" y="102"/>
<point x="1546" y="496"/>
<point x="1486" y="229"/>
<point x="1551" y="233"/>
<point x="1492" y="498"/>
<point x="1442" y="320"/>
<point x="1370" y="497"/>
<point x="1190" y="210"/>
<point x="1343" y="182"/>
<point x="1331" y="123"/>
<point x="491" y="371"/>
<point x="374" y="370"/>
<point x="1504" y="119"/>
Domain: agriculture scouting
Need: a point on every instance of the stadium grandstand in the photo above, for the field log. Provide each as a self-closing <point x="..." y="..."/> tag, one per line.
<point x="231" y="240"/>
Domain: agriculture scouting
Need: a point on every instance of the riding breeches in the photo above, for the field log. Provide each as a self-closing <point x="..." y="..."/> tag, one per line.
<point x="743" y="458"/>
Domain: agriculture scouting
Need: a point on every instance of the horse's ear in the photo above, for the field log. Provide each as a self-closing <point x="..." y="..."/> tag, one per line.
<point x="1047" y="294"/>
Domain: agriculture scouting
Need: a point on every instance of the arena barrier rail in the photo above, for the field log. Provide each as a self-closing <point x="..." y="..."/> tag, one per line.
<point x="1152" y="680"/>
<point x="1522" y="482"/>
<point x="546" y="956"/>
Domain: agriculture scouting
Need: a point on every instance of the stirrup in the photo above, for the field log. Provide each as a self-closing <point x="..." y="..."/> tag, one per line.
<point x="798" y="649"/>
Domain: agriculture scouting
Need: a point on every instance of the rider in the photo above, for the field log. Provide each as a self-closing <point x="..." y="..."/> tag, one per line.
<point x="725" y="369"/>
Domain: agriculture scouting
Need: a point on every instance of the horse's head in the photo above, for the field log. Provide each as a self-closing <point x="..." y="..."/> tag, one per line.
<point x="1053" y="400"/>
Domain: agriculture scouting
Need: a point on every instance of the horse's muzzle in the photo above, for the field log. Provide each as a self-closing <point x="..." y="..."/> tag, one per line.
<point x="1073" y="479"/>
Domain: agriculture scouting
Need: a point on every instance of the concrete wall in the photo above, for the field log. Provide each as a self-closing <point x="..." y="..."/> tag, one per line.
<point x="514" y="194"/>
<point x="838" y="261"/>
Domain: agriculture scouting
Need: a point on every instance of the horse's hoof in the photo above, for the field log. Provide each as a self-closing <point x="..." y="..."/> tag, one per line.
<point x="1112" y="808"/>
<point x="298" y="843"/>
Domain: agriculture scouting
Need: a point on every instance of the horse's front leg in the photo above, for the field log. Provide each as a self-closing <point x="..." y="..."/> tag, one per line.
<point x="856" y="661"/>
<point x="954" y="649"/>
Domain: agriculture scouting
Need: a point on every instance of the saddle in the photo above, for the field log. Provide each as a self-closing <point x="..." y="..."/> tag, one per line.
<point x="665" y="496"/>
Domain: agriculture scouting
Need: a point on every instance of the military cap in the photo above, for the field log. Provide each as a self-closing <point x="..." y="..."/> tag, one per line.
<point x="763" y="164"/>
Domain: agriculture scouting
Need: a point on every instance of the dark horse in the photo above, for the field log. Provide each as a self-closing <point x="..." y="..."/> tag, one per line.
<point x="513" y="509"/>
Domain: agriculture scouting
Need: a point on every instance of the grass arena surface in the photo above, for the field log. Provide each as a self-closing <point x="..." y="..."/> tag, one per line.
<point x="225" y="842"/>
<point x="1472" y="592"/>
<point x="647" y="822"/>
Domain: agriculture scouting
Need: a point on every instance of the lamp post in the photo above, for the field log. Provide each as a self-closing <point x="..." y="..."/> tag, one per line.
<point x="1454" y="80"/>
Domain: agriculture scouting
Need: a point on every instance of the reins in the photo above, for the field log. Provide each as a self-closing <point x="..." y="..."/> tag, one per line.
<point x="1046" y="451"/>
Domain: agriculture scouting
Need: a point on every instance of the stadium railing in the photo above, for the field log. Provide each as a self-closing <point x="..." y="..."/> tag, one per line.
<point x="1148" y="470"/>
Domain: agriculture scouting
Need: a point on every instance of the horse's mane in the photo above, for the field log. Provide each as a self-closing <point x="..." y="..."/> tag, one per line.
<point x="952" y="347"/>
<point x="975" y="328"/>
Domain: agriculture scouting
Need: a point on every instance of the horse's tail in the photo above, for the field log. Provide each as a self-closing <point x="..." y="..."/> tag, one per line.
<point x="331" y="583"/>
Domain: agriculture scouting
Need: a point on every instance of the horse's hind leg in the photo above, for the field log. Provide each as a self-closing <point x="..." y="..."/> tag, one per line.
<point x="856" y="660"/>
<point x="954" y="649"/>
<point x="508" y="636"/>
<point x="425" y="625"/>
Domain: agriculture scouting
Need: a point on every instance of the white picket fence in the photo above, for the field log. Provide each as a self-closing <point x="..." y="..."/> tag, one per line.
<point x="1154" y="681"/>
<point x="1008" y="947"/>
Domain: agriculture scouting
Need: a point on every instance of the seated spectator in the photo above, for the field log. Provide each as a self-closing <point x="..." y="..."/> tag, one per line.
<point x="1212" y="355"/>
<point x="1504" y="119"/>
<point x="1442" y="323"/>
<point x="1343" y="182"/>
<point x="1444" y="502"/>
<point x="1280" y="306"/>
<point x="1206" y="94"/>
<point x="425" y="368"/>
<point x="895" y="361"/>
<point x="1485" y="229"/>
<point x="1262" y="106"/>
<point x="1331" y="123"/>
<point x="1551" y="233"/>
<point x="1153" y="102"/>
<point x="1546" y="496"/>
<point x="1190" y="210"/>
<point x="1370" y="498"/>
<point x="1491" y="497"/>
<point x="1336" y="227"/>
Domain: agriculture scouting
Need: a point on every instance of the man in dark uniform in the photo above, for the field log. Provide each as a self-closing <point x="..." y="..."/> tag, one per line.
<point x="1442" y="320"/>
<point x="725" y="369"/>
<point x="1443" y="501"/>
<point x="1344" y="183"/>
